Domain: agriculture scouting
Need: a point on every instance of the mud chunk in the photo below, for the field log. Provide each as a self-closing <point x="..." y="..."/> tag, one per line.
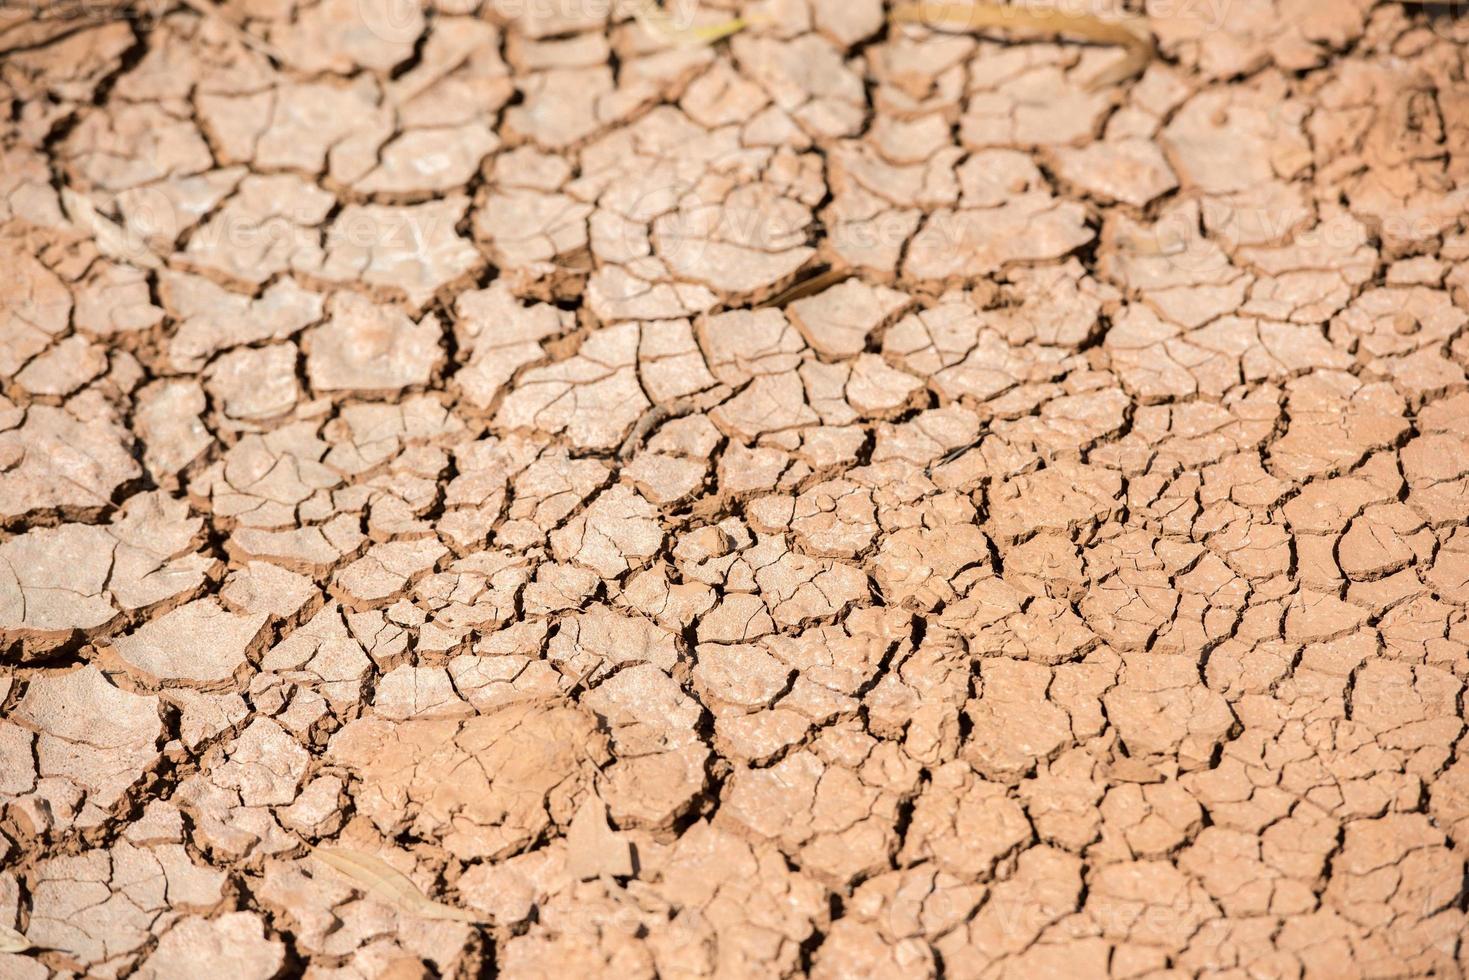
<point x="965" y="824"/>
<point x="1046" y="887"/>
<point x="215" y="319"/>
<point x="330" y="918"/>
<point x="170" y="428"/>
<point x="1406" y="707"/>
<point x="1395" y="877"/>
<point x="760" y="908"/>
<point x="1335" y="421"/>
<point x="529" y="231"/>
<point x="748" y="242"/>
<point x="232" y="946"/>
<point x="70" y="460"/>
<point x="619" y="531"/>
<point x="977" y="242"/>
<point x="410" y="252"/>
<point x="1230" y="864"/>
<point x="921" y="567"/>
<point x="255" y="384"/>
<point x="601" y="636"/>
<point x="1014" y="725"/>
<point x="1132" y="171"/>
<point x="501" y="336"/>
<point x="592" y="397"/>
<point x="1061" y="801"/>
<point x="101" y="907"/>
<point x="807" y="78"/>
<point x="306" y="128"/>
<point x="265" y="765"/>
<point x="838" y="321"/>
<point x="739" y="675"/>
<point x="1055" y="499"/>
<point x="1189" y="293"/>
<point x="386" y="568"/>
<point x="267" y="227"/>
<point x="1436" y="467"/>
<point x="852" y="948"/>
<point x="323" y="654"/>
<point x="1152" y="819"/>
<point x="76" y="578"/>
<point x="1449" y="802"/>
<point x="660" y="766"/>
<point x="340" y="37"/>
<point x="561" y="107"/>
<point x="797" y="588"/>
<point x="63" y="369"/>
<point x="847" y="828"/>
<point x="365" y="347"/>
<point x="1123" y="895"/>
<point x="1236" y="145"/>
<point x="1159" y="707"/>
<point x="198" y="644"/>
<point x="1381" y="541"/>
<point x="93" y="742"/>
<point x="264" y="588"/>
<point x="38" y="308"/>
<point x="528" y="764"/>
<point x="1253" y="36"/>
<point x="835" y="519"/>
<point x="306" y="548"/>
<point x="741" y="345"/>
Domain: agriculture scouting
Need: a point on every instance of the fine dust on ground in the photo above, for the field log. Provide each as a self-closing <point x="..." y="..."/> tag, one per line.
<point x="441" y="537"/>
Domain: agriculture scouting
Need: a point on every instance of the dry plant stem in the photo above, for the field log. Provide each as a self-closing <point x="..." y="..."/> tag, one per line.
<point x="1134" y="35"/>
<point x="806" y="287"/>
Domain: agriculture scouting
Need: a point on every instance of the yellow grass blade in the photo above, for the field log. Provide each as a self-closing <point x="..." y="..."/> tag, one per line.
<point x="660" y="26"/>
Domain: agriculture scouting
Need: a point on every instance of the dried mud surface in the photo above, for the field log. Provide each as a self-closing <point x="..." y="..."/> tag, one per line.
<point x="412" y="450"/>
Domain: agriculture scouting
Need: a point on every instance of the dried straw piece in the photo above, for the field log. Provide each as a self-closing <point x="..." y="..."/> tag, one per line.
<point x="1131" y="33"/>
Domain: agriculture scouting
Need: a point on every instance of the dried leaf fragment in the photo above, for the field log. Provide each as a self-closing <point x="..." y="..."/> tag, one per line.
<point x="387" y="884"/>
<point x="12" y="941"/>
<point x="593" y="848"/>
<point x="1131" y="34"/>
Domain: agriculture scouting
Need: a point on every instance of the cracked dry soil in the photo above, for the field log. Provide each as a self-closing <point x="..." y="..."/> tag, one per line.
<point x="416" y="455"/>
